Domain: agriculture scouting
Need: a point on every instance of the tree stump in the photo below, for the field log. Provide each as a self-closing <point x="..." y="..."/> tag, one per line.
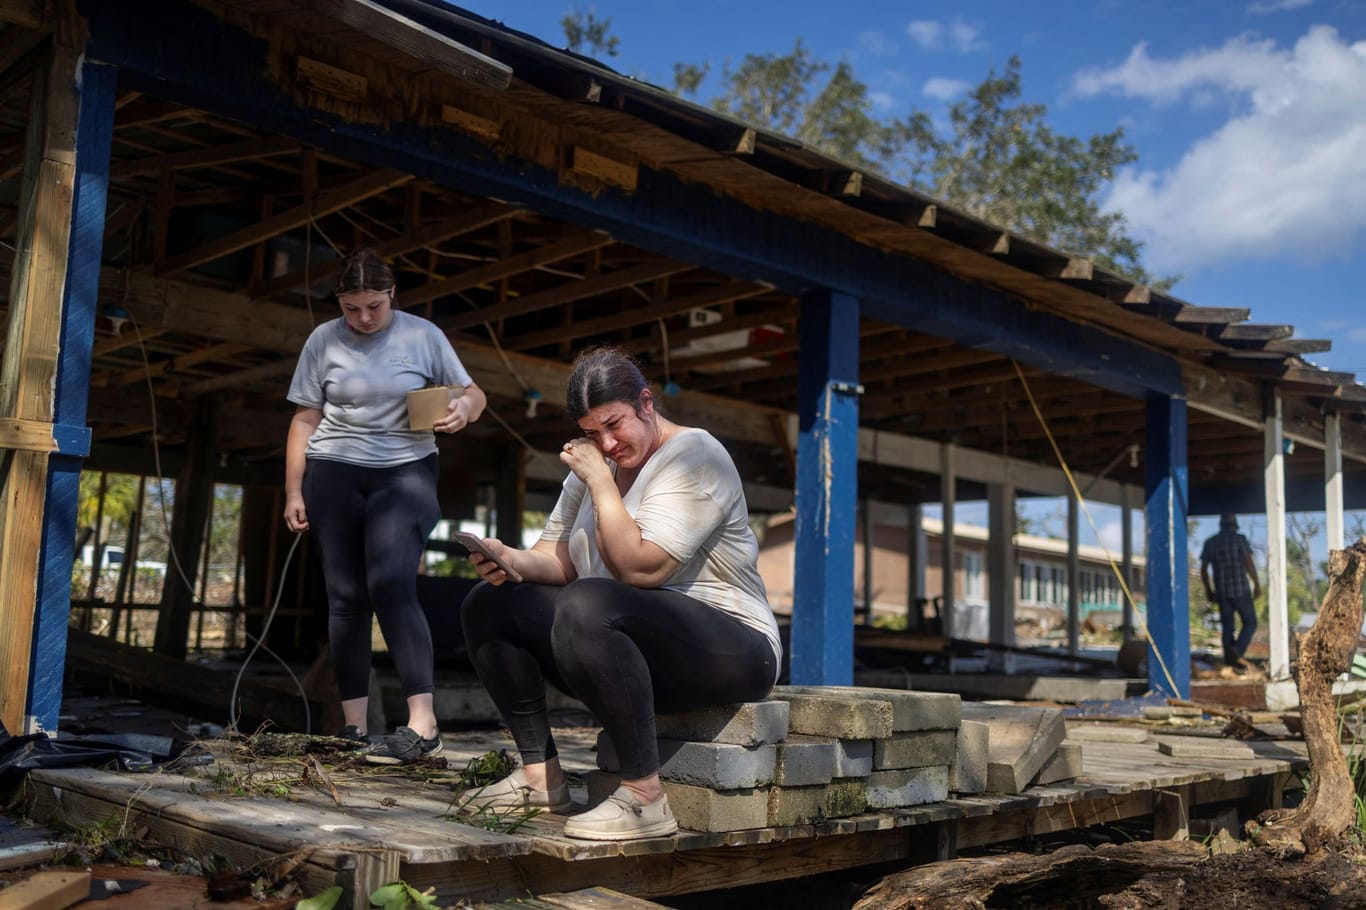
<point x="1325" y="654"/>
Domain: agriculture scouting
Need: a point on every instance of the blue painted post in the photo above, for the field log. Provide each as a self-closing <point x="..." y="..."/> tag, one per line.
<point x="94" y="132"/>
<point x="827" y="489"/>
<point x="1164" y="456"/>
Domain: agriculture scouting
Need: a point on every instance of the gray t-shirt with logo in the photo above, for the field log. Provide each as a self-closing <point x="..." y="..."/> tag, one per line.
<point x="361" y="382"/>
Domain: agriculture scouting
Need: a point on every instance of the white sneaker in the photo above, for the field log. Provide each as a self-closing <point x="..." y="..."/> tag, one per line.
<point x="514" y="792"/>
<point x="622" y="816"/>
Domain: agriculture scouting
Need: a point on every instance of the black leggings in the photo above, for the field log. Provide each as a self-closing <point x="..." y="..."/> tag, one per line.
<point x="625" y="652"/>
<point x="371" y="526"/>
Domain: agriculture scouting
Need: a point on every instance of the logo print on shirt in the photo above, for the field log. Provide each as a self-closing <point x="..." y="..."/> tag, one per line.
<point x="402" y="360"/>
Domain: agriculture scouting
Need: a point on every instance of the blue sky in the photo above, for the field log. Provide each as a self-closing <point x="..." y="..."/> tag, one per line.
<point x="1248" y="116"/>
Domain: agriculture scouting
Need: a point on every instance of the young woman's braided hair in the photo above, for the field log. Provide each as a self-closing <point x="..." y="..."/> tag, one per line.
<point x="363" y="270"/>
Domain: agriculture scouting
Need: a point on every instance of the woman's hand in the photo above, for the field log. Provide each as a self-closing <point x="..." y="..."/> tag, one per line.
<point x="296" y="515"/>
<point x="488" y="569"/>
<point x="457" y="416"/>
<point x="585" y="459"/>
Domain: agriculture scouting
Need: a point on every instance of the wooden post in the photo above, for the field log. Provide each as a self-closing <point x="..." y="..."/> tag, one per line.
<point x="45" y="372"/>
<point x="827" y="487"/>
<point x="510" y="495"/>
<point x="1171" y="813"/>
<point x="948" y="482"/>
<point x="1000" y="575"/>
<point x="194" y="492"/>
<point x="1126" y="524"/>
<point x="1073" y="574"/>
<point x="915" y="568"/>
<point x="1165" y="483"/>
<point x="1332" y="480"/>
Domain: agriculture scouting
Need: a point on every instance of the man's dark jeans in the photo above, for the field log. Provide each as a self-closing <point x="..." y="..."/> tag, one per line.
<point x="1235" y="648"/>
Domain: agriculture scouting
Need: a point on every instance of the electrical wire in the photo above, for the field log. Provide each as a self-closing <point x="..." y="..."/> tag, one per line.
<point x="1076" y="491"/>
<point x="180" y="570"/>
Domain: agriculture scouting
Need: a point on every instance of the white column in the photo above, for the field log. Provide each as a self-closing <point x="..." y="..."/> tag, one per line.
<point x="948" y="480"/>
<point x="1274" y="477"/>
<point x="1332" y="476"/>
<point x="1001" y="585"/>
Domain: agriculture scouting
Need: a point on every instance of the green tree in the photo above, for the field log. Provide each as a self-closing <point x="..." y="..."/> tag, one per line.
<point x="996" y="157"/>
<point x="585" y="32"/>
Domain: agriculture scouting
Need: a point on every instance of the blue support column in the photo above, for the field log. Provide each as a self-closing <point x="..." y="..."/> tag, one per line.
<point x="827" y="489"/>
<point x="1164" y="456"/>
<point x="94" y="133"/>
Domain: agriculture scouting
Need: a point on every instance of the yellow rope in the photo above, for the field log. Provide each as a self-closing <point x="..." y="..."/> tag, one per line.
<point x="1076" y="491"/>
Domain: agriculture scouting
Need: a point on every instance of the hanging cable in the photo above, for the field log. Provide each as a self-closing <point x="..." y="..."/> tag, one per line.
<point x="1076" y="491"/>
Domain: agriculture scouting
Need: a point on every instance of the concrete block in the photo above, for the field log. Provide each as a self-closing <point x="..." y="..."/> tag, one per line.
<point x="703" y="809"/>
<point x="805" y="761"/>
<point x="795" y="806"/>
<point x="910" y="710"/>
<point x="969" y="771"/>
<point x="1064" y="765"/>
<point x="752" y="723"/>
<point x="907" y="787"/>
<point x="1022" y="739"/>
<point x="915" y="750"/>
<point x="600" y="785"/>
<point x="841" y="717"/>
<point x="846" y="796"/>
<point x="721" y="766"/>
<point x="853" y="757"/>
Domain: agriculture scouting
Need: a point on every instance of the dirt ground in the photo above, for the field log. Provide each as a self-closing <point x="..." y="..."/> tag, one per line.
<point x="1250" y="880"/>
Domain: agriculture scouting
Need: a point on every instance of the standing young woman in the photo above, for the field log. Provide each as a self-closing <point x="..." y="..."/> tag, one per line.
<point x="642" y="595"/>
<point x="365" y="485"/>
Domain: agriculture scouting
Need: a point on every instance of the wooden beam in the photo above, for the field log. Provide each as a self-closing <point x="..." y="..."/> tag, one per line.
<point x="433" y="49"/>
<point x="589" y="287"/>
<point x="588" y="163"/>
<point x="26" y="435"/>
<point x="248" y="150"/>
<point x="477" y="217"/>
<point x="24" y="13"/>
<point x="576" y="244"/>
<point x="172" y="365"/>
<point x="640" y="315"/>
<point x="327" y="202"/>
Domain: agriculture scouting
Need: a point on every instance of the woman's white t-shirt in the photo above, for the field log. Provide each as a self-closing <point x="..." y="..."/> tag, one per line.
<point x="689" y="501"/>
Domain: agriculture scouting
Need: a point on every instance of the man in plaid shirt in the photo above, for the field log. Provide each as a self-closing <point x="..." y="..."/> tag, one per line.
<point x="1229" y="555"/>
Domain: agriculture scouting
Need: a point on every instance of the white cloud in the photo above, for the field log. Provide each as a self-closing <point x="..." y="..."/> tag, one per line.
<point x="927" y="33"/>
<point x="1283" y="174"/>
<point x="883" y="102"/>
<point x="933" y="35"/>
<point x="1267" y="7"/>
<point x="876" y="43"/>
<point x="941" y="89"/>
<point x="1112" y="537"/>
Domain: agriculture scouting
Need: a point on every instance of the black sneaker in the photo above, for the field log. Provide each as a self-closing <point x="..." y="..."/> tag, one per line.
<point x="351" y="733"/>
<point x="403" y="747"/>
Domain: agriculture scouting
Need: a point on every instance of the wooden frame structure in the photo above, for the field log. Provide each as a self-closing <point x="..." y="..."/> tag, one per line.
<point x="846" y="337"/>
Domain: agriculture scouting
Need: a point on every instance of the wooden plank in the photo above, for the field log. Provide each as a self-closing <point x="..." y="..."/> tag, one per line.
<point x="567" y="293"/>
<point x="576" y="244"/>
<point x="325" y="204"/>
<point x="247" y="150"/>
<point x="27" y="435"/>
<point x="592" y="164"/>
<point x="431" y="48"/>
<point x="28" y="371"/>
<point x="596" y="899"/>
<point x="331" y="80"/>
<point x="54" y="890"/>
<point x="482" y="127"/>
<point x="24" y="13"/>
<point x="172" y="365"/>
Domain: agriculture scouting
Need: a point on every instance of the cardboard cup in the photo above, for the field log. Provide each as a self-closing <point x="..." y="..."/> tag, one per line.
<point x="427" y="406"/>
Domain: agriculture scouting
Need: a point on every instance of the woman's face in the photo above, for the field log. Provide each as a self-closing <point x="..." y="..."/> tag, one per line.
<point x="368" y="312"/>
<point x="626" y="437"/>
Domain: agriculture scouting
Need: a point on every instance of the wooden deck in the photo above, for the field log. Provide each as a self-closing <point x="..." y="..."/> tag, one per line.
<point x="365" y="827"/>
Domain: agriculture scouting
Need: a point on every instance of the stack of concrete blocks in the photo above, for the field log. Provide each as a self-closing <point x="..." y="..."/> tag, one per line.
<point x="1025" y="745"/>
<point x="804" y="755"/>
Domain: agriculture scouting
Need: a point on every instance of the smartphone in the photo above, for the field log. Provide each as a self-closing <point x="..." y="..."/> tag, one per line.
<point x="475" y="544"/>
